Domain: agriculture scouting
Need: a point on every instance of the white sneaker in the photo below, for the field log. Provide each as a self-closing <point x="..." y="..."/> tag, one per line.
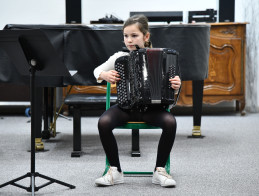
<point x="112" y="177"/>
<point x="161" y="177"/>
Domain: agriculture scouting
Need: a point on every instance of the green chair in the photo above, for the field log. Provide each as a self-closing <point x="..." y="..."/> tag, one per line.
<point x="135" y="126"/>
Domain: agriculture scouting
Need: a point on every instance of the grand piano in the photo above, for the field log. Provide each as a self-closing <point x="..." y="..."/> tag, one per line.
<point x="83" y="47"/>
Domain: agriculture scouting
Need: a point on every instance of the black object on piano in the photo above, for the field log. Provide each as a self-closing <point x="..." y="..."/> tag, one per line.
<point x="209" y="15"/>
<point x="175" y="16"/>
<point x="107" y="20"/>
<point x="145" y="75"/>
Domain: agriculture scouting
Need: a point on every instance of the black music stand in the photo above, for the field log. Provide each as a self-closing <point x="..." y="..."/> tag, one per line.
<point x="30" y="51"/>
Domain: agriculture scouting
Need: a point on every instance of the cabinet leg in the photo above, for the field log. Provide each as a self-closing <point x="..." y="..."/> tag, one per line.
<point x="240" y="107"/>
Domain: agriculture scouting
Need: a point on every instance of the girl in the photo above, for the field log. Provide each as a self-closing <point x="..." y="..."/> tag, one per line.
<point x="135" y="31"/>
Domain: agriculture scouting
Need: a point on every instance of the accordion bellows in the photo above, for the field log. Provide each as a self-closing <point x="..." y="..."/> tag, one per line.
<point x="145" y="77"/>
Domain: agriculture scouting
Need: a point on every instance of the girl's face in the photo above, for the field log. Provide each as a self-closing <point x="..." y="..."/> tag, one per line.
<point x="133" y="36"/>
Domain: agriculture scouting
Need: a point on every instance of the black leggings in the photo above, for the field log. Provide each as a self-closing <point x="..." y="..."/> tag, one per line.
<point x="155" y="115"/>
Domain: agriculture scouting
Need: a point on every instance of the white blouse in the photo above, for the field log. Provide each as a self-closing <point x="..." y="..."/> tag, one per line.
<point x="108" y="65"/>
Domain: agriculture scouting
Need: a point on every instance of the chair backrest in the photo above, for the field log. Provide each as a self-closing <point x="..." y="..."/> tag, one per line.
<point x="110" y="98"/>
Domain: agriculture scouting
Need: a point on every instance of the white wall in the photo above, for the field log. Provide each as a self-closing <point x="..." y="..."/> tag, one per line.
<point x="93" y="10"/>
<point x="248" y="10"/>
<point x="53" y="11"/>
<point x="32" y="12"/>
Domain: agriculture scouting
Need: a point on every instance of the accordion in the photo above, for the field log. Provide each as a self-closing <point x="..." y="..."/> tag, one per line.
<point x="145" y="75"/>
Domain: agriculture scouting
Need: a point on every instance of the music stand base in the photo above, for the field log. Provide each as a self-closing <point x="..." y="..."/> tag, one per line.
<point x="32" y="188"/>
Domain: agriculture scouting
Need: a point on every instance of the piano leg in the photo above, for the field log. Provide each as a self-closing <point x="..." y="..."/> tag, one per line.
<point x="45" y="132"/>
<point x="197" y="88"/>
<point x="52" y="111"/>
<point x="38" y="118"/>
<point x="48" y="112"/>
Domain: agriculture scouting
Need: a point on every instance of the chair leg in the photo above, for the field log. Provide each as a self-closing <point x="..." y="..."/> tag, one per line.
<point x="167" y="166"/>
<point x="135" y="143"/>
<point x="107" y="165"/>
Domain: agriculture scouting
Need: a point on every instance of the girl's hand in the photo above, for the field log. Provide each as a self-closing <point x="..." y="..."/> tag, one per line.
<point x="175" y="82"/>
<point x="111" y="76"/>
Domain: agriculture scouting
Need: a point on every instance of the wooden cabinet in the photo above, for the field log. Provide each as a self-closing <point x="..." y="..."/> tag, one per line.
<point x="226" y="73"/>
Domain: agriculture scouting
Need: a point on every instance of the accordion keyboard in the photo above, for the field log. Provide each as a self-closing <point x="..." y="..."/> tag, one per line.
<point x="122" y="86"/>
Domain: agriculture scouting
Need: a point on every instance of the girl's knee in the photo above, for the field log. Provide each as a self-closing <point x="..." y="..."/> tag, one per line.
<point x="104" y="123"/>
<point x="169" y="122"/>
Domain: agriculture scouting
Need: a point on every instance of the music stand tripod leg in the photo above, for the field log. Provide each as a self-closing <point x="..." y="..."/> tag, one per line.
<point x="33" y="174"/>
<point x="32" y="188"/>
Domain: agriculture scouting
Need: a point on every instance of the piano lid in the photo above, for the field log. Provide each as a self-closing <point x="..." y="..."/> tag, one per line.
<point x="84" y="47"/>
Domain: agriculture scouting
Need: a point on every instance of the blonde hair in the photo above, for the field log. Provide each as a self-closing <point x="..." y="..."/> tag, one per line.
<point x="142" y="23"/>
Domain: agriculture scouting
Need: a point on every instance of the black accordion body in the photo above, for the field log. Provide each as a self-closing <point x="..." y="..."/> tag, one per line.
<point x="145" y="77"/>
